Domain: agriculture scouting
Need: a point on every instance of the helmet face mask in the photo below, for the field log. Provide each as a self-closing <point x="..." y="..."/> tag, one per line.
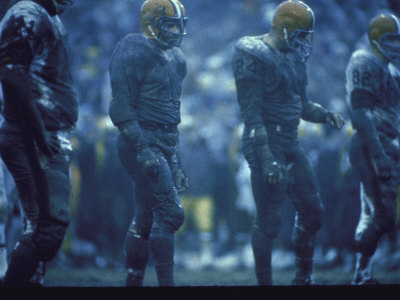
<point x="171" y="30"/>
<point x="390" y="45"/>
<point x="301" y="43"/>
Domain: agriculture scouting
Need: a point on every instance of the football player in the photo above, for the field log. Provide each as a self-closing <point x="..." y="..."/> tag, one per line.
<point x="40" y="110"/>
<point x="146" y="71"/>
<point x="270" y="75"/>
<point x="373" y="92"/>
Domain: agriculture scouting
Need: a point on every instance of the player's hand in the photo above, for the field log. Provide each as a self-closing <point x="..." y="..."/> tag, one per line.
<point x="49" y="144"/>
<point x="335" y="119"/>
<point x="149" y="162"/>
<point x="272" y="172"/>
<point x="53" y="142"/>
<point x="181" y="181"/>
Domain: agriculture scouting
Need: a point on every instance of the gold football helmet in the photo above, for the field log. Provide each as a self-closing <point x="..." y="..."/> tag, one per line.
<point x="384" y="36"/>
<point x="164" y="21"/>
<point x="293" y="22"/>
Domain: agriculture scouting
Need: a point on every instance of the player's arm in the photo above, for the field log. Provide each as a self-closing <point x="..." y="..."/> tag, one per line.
<point x="249" y="87"/>
<point x="126" y="70"/>
<point x="362" y="103"/>
<point x="125" y="75"/>
<point x="15" y="58"/>
<point x="248" y="78"/>
<point x="180" y="177"/>
<point x="364" y="93"/>
<point x="316" y="113"/>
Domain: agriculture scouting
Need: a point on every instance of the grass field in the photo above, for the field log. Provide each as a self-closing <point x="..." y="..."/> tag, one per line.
<point x="95" y="277"/>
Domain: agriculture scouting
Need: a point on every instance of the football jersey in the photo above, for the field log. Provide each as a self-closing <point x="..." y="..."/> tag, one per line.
<point x="367" y="73"/>
<point x="146" y="81"/>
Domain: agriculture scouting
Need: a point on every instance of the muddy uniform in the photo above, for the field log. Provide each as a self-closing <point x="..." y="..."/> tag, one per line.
<point x="33" y="50"/>
<point x="271" y="92"/>
<point x="374" y="96"/>
<point x="146" y="85"/>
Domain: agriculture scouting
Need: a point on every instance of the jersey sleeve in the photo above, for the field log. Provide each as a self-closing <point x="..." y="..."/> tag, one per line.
<point x="20" y="39"/>
<point x="247" y="71"/>
<point x="362" y="86"/>
<point x="25" y="33"/>
<point x="15" y="55"/>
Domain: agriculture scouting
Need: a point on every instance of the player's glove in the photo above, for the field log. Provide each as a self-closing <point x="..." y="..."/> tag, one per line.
<point x="271" y="170"/>
<point x="181" y="181"/>
<point x="148" y="161"/>
<point x="52" y="144"/>
<point x="335" y="120"/>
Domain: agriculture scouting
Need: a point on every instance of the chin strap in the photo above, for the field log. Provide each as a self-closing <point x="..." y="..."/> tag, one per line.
<point x="153" y="34"/>
<point x="286" y="36"/>
<point x="159" y="41"/>
<point x="379" y="47"/>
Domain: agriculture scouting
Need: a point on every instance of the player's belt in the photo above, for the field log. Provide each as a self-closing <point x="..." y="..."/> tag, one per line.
<point x="156" y="125"/>
<point x="281" y="128"/>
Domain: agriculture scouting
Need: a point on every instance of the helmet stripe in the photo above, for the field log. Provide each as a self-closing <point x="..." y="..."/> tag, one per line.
<point x="310" y="11"/>
<point x="178" y="10"/>
<point x="397" y="22"/>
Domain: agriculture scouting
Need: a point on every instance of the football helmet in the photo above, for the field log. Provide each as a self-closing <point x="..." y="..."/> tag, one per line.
<point x="164" y="21"/>
<point x="293" y="22"/>
<point x="384" y="36"/>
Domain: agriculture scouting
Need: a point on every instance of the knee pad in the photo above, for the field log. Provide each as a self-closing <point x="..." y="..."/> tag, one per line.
<point x="308" y="223"/>
<point x="139" y="231"/>
<point x="169" y="214"/>
<point x="366" y="240"/>
<point x="309" y="213"/>
<point x="47" y="239"/>
<point x="136" y="249"/>
<point x="313" y="222"/>
<point x="269" y="225"/>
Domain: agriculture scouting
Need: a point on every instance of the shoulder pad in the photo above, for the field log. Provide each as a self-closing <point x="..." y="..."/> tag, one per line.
<point x="251" y="55"/>
<point x="136" y="40"/>
<point x="23" y="23"/>
<point x="135" y="47"/>
<point x="28" y="11"/>
<point x="255" y="46"/>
